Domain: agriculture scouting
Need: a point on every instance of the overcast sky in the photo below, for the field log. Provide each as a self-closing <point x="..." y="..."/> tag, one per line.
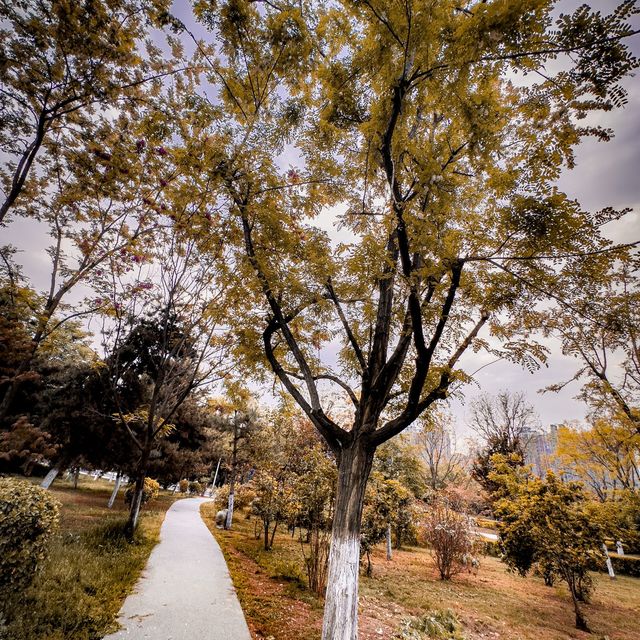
<point x="607" y="174"/>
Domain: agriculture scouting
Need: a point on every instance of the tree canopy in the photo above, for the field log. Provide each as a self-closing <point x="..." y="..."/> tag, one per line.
<point x="370" y="186"/>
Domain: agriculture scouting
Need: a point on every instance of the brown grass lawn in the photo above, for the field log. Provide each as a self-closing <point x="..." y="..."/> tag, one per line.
<point x="492" y="604"/>
<point x="79" y="590"/>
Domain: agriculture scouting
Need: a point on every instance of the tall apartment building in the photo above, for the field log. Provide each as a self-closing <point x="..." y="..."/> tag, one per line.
<point x="540" y="448"/>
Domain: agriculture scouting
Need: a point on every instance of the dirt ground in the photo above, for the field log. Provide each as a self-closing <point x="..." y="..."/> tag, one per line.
<point x="490" y="604"/>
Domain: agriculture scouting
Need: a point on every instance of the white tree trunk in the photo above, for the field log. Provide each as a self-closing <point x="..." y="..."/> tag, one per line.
<point x="389" y="552"/>
<point x="135" y="513"/>
<point x="341" y="607"/>
<point x="116" y="488"/>
<point x="49" y="478"/>
<point x="340" y="620"/>
<point x="215" y="477"/>
<point x="229" y="520"/>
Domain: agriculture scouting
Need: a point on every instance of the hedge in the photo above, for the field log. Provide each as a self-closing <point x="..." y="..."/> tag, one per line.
<point x="626" y="565"/>
<point x="489" y="548"/>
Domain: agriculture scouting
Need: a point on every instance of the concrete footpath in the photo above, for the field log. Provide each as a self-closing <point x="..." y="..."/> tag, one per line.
<point x="185" y="592"/>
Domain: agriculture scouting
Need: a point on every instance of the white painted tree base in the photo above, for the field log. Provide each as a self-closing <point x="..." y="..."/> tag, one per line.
<point x="49" y="478"/>
<point x="114" y="493"/>
<point x="341" y="604"/>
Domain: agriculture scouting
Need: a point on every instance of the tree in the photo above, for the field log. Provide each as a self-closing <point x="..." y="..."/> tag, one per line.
<point x="386" y="507"/>
<point x="403" y="112"/>
<point x="155" y="361"/>
<point x="397" y="464"/>
<point x="17" y="304"/>
<point x="314" y="493"/>
<point x="605" y="456"/>
<point x="436" y="442"/>
<point x="101" y="205"/>
<point x="544" y="521"/>
<point x="61" y="64"/>
<point x="42" y="427"/>
<point x="450" y="536"/>
<point x="238" y="417"/>
<point x="74" y="134"/>
<point x="505" y="424"/>
<point x="193" y="447"/>
<point x="273" y="502"/>
<point x="599" y="323"/>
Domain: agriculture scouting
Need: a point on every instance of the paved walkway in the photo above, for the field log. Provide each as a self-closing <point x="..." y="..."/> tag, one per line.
<point x="185" y="592"/>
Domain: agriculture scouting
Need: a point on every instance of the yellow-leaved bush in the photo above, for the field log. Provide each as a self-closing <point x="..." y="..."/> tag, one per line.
<point x="150" y="492"/>
<point x="28" y="519"/>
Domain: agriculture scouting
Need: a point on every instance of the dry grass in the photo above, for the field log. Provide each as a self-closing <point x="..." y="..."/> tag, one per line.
<point x="492" y="604"/>
<point x="270" y="584"/>
<point x="91" y="568"/>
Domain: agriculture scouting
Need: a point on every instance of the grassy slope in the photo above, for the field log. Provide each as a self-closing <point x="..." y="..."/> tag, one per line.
<point x="90" y="569"/>
<point x="492" y="604"/>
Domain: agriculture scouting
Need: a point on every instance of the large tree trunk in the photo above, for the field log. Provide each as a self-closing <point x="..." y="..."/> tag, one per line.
<point x="116" y="488"/>
<point x="341" y="605"/>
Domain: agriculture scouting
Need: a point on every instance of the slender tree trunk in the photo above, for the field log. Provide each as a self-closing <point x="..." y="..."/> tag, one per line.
<point x="50" y="477"/>
<point x="76" y="475"/>
<point x="273" y="534"/>
<point x="341" y="606"/>
<point x="24" y="164"/>
<point x="581" y="621"/>
<point x="266" y="535"/>
<point x="136" y="502"/>
<point x="398" y="538"/>
<point x="136" y="499"/>
<point x="229" y="521"/>
<point x="232" y="480"/>
<point x="116" y="488"/>
<point x="389" y="552"/>
<point x="215" y="477"/>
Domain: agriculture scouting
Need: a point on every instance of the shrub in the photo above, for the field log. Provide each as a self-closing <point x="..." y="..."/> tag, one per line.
<point x="243" y="496"/>
<point x="150" y="492"/>
<point x="28" y="518"/>
<point x="450" y="536"/>
<point x="195" y="488"/>
<point x="183" y="485"/>
<point x="221" y="499"/>
<point x="439" y="624"/>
